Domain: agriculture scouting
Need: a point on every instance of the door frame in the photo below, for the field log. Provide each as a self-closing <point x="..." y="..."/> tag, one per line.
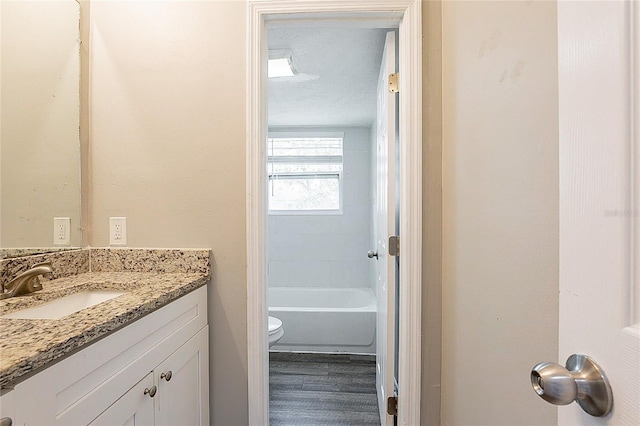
<point x="408" y="13"/>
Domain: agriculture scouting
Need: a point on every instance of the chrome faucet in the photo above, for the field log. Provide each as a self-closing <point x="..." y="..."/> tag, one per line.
<point x="27" y="282"/>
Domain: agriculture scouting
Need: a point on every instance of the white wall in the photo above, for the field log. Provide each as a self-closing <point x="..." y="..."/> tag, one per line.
<point x="327" y="250"/>
<point x="500" y="209"/>
<point x="431" y="213"/>
<point x="167" y="151"/>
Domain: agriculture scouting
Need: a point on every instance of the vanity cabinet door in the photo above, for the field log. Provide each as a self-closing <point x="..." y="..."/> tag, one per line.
<point x="7" y="408"/>
<point x="134" y="408"/>
<point x="183" y="384"/>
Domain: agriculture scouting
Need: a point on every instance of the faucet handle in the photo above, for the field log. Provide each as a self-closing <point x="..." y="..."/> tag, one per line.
<point x="46" y="264"/>
<point x="34" y="284"/>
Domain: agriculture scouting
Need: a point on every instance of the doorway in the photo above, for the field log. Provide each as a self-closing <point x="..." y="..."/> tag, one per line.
<point x="331" y="173"/>
<point x="381" y="14"/>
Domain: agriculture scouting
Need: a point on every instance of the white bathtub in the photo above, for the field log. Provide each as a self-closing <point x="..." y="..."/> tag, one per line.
<point x="325" y="319"/>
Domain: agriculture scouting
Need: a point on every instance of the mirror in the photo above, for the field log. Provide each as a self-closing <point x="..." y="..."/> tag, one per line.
<point x="39" y="124"/>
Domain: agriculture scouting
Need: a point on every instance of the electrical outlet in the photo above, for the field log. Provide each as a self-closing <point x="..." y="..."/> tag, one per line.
<point x="61" y="231"/>
<point x="118" y="231"/>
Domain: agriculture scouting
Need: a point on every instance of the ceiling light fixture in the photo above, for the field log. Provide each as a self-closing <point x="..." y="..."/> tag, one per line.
<point x="280" y="64"/>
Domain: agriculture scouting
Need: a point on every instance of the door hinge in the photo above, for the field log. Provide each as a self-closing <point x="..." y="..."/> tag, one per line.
<point x="393" y="83"/>
<point x="392" y="406"/>
<point x="394" y="245"/>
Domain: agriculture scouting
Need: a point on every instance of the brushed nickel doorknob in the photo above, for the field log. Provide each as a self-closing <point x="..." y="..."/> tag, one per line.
<point x="371" y="254"/>
<point x="166" y="376"/>
<point x="582" y="380"/>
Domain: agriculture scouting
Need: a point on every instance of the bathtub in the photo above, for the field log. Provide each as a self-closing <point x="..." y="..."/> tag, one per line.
<point x="325" y="319"/>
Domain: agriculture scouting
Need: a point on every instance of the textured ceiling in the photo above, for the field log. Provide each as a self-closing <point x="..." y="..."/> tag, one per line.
<point x="337" y="76"/>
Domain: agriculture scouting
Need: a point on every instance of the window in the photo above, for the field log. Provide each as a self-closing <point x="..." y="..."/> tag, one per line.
<point x="305" y="173"/>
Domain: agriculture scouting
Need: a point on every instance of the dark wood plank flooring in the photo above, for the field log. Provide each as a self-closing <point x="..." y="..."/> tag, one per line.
<point x="322" y="389"/>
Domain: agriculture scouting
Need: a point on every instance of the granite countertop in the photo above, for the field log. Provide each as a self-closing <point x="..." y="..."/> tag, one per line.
<point x="28" y="345"/>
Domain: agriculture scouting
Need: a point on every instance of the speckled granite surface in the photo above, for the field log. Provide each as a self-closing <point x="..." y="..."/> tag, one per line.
<point x="65" y="263"/>
<point x="19" y="252"/>
<point x="28" y="345"/>
<point x="149" y="260"/>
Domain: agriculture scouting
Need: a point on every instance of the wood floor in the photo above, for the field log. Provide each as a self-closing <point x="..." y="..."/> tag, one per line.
<point x="322" y="389"/>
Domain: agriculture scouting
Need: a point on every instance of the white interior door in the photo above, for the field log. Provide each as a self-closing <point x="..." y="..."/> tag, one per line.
<point x="599" y="213"/>
<point x="384" y="228"/>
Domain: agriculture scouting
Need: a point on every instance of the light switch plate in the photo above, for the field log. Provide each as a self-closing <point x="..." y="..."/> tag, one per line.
<point x="118" y="231"/>
<point x="61" y="231"/>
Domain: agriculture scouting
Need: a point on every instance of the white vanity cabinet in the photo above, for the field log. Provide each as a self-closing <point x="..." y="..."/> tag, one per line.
<point x="6" y="408"/>
<point x="175" y="393"/>
<point x="122" y="379"/>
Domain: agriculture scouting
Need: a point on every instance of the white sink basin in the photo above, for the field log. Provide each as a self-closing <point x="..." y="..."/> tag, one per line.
<point x="65" y="305"/>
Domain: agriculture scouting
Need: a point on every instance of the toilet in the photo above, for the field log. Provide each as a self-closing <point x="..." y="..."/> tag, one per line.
<point x="275" y="330"/>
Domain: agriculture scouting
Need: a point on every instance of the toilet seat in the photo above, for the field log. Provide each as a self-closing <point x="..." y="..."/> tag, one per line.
<point x="275" y="330"/>
<point x="274" y="325"/>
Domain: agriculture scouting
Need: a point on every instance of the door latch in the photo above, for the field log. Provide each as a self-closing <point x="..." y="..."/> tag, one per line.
<point x="392" y="406"/>
<point x="394" y="245"/>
